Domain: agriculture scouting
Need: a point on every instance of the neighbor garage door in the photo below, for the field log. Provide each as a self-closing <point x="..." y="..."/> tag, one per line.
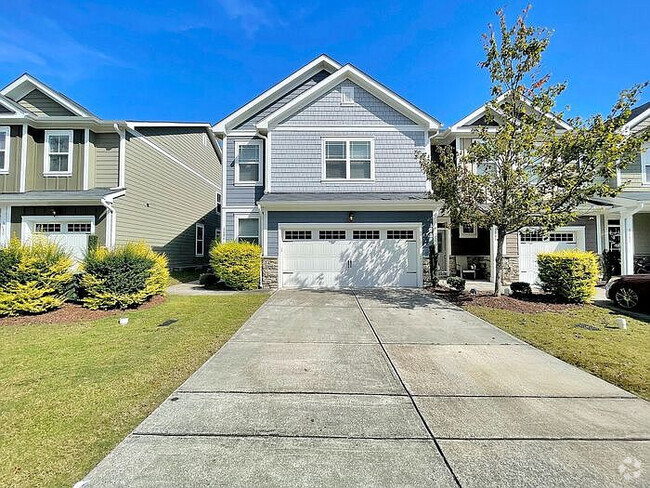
<point x="70" y="234"/>
<point x="349" y="257"/>
<point x="532" y="243"/>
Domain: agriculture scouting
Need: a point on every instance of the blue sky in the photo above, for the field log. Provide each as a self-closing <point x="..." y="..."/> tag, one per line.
<point x="199" y="60"/>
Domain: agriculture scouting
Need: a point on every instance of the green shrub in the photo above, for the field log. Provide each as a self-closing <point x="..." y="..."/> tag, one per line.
<point x="456" y="282"/>
<point x="208" y="279"/>
<point x="570" y="275"/>
<point x="34" y="278"/>
<point x="237" y="264"/>
<point x="521" y="288"/>
<point x="125" y="277"/>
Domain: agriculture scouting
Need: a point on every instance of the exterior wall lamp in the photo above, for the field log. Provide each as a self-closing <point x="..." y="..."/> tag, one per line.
<point x="351" y="217"/>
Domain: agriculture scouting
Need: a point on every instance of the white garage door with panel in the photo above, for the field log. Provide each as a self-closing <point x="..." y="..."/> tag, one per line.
<point x="71" y="233"/>
<point x="346" y="256"/>
<point x="533" y="242"/>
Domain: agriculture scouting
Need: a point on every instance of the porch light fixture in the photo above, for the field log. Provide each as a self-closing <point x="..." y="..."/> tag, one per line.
<point x="351" y="217"/>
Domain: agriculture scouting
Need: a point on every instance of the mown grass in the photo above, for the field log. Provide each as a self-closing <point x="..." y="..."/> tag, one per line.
<point x="70" y="392"/>
<point x="615" y="355"/>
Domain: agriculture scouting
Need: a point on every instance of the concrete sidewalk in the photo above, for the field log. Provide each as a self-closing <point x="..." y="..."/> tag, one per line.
<point x="383" y="388"/>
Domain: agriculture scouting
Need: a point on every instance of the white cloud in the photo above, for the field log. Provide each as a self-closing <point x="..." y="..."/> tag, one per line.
<point x="251" y="15"/>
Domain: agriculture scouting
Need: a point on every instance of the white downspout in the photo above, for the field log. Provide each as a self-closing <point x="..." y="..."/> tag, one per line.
<point x="110" y="222"/>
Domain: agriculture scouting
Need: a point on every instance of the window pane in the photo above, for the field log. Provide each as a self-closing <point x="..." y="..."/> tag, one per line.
<point x="252" y="240"/>
<point x="360" y="170"/>
<point x="335" y="169"/>
<point x="3" y="141"/>
<point x="249" y="153"/>
<point x="482" y="168"/>
<point x="335" y="150"/>
<point x="360" y="150"/>
<point x="647" y="173"/>
<point x="59" y="144"/>
<point x="199" y="233"/>
<point x="2" y="160"/>
<point x="58" y="162"/>
<point x="248" y="172"/>
<point x="248" y="228"/>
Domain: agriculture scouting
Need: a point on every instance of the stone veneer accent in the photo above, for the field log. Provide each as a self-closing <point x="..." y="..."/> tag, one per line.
<point x="270" y="273"/>
<point x="510" y="269"/>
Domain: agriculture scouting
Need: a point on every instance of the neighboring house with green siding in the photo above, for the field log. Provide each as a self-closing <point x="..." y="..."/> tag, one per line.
<point x="66" y="174"/>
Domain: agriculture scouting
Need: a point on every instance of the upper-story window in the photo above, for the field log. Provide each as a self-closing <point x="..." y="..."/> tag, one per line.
<point x="58" y="152"/>
<point x="482" y="167"/>
<point x="645" y="164"/>
<point x="5" y="143"/>
<point x="248" y="165"/>
<point x="347" y="95"/>
<point x="348" y="159"/>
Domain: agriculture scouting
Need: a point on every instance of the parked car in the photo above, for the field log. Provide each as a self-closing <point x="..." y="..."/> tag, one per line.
<point x="630" y="291"/>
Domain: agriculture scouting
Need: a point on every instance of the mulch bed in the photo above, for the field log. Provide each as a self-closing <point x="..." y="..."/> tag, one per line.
<point x="533" y="304"/>
<point x="71" y="312"/>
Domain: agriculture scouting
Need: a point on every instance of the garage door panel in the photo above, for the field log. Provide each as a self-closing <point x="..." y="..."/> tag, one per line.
<point x="532" y="244"/>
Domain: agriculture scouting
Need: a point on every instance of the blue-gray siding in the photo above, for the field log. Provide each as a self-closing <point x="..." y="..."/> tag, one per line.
<point x="362" y="217"/>
<point x="296" y="162"/>
<point x="327" y="110"/>
<point x="249" y="124"/>
<point x="239" y="196"/>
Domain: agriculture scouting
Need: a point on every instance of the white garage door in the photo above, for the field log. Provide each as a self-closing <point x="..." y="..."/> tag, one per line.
<point x="349" y="257"/>
<point x="531" y="243"/>
<point x="70" y="234"/>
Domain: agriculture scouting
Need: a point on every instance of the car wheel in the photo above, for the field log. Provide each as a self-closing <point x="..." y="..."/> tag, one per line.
<point x="626" y="298"/>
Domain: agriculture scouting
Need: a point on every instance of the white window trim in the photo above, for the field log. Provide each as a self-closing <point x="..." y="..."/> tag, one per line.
<point x="349" y="95"/>
<point x="467" y="235"/>
<point x="46" y="152"/>
<point x="247" y="217"/>
<point x="6" y="130"/>
<point x="645" y="162"/>
<point x="348" y="140"/>
<point x="196" y="240"/>
<point x="238" y="144"/>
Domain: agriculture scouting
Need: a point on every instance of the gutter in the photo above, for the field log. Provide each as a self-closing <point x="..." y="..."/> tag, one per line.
<point x="107" y="202"/>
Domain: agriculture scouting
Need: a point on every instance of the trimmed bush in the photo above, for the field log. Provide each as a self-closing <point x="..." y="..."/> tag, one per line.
<point x="237" y="264"/>
<point x="34" y="278"/>
<point x="125" y="277"/>
<point x="208" y="279"/>
<point x="456" y="282"/>
<point x="521" y="288"/>
<point x="570" y="275"/>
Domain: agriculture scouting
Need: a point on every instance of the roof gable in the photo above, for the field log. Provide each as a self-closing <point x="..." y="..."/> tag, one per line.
<point x="637" y="116"/>
<point x="9" y="108"/>
<point x="276" y="92"/>
<point x="37" y="95"/>
<point x="349" y="72"/>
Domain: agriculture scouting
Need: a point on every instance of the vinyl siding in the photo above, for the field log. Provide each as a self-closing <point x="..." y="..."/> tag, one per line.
<point x="35" y="160"/>
<point x="163" y="202"/>
<point x="11" y="182"/>
<point x="642" y="234"/>
<point x="249" y="124"/>
<point x="40" y="104"/>
<point x="106" y="155"/>
<point x="631" y="175"/>
<point x="275" y="218"/>
<point x="296" y="162"/>
<point x="327" y="110"/>
<point x="591" y="236"/>
<point x="240" y="196"/>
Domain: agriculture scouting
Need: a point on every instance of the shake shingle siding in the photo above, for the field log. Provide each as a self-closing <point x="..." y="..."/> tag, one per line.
<point x="236" y="195"/>
<point x="297" y="162"/>
<point x="367" y="110"/>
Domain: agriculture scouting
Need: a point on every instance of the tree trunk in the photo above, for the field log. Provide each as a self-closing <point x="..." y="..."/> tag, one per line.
<point x="498" y="275"/>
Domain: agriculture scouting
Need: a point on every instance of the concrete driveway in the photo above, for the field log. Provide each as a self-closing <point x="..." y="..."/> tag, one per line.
<point x="383" y="388"/>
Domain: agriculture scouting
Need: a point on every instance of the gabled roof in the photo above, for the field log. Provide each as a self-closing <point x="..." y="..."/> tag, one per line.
<point x="322" y="62"/>
<point x="26" y="83"/>
<point x="637" y="115"/>
<point x="14" y="108"/>
<point x="349" y="72"/>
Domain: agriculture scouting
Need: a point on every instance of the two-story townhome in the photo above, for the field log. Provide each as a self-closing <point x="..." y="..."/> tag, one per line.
<point x="66" y="174"/>
<point x="321" y="170"/>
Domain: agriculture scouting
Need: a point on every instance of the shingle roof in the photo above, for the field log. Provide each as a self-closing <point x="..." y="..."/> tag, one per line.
<point x="636" y="111"/>
<point x="62" y="197"/>
<point x="339" y="196"/>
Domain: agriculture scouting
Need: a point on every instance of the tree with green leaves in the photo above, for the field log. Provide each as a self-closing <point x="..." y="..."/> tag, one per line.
<point x="536" y="168"/>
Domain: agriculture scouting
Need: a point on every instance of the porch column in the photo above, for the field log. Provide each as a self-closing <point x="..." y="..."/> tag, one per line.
<point x="493" y="253"/>
<point x="627" y="244"/>
<point x="5" y="226"/>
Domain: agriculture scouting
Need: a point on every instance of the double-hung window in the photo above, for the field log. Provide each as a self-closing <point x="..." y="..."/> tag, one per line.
<point x="5" y="142"/>
<point x="645" y="164"/>
<point x="58" y="153"/>
<point x="248" y="230"/>
<point x="199" y="241"/>
<point x="248" y="166"/>
<point x="348" y="159"/>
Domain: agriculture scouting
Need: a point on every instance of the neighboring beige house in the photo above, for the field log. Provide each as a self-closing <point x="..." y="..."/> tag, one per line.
<point x="621" y="223"/>
<point x="67" y="174"/>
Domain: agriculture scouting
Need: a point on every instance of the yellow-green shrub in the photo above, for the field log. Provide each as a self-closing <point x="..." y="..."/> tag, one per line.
<point x="237" y="264"/>
<point x="124" y="277"/>
<point x="34" y="278"/>
<point x="570" y="275"/>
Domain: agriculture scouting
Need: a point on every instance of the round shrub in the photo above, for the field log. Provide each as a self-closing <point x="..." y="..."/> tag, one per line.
<point x="570" y="275"/>
<point x="456" y="282"/>
<point x="34" y="278"/>
<point x="521" y="288"/>
<point x="122" y="278"/>
<point x="237" y="264"/>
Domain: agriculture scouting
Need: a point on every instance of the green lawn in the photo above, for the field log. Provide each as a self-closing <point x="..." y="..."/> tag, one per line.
<point x="618" y="356"/>
<point x="70" y="392"/>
